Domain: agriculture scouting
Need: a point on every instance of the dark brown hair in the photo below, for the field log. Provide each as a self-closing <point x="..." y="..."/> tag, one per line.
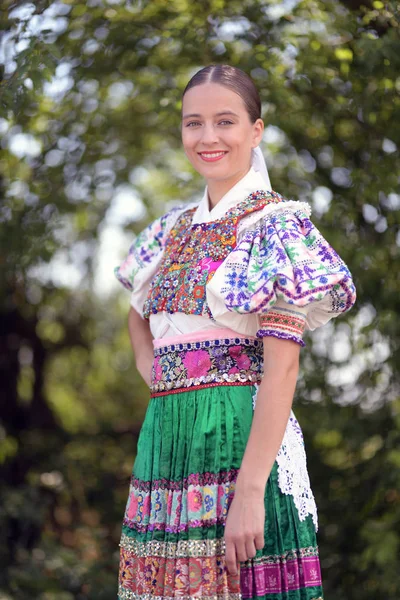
<point x="236" y="80"/>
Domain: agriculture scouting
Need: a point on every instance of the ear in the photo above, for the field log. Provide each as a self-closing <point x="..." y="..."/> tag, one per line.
<point x="258" y="131"/>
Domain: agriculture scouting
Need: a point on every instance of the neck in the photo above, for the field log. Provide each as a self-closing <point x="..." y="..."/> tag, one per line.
<point x="218" y="189"/>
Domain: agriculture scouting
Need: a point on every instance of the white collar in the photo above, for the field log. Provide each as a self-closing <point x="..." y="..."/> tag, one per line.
<point x="251" y="182"/>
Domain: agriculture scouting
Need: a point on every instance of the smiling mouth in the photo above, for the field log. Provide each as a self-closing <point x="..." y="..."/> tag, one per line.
<point x="212" y="156"/>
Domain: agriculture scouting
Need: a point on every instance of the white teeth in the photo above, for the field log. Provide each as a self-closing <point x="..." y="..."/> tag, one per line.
<point x="212" y="154"/>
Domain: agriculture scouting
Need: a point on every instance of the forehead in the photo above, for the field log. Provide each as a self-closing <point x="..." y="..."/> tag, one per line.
<point x="211" y="98"/>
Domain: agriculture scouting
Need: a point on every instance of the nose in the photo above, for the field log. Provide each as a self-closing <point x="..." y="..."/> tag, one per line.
<point x="209" y="135"/>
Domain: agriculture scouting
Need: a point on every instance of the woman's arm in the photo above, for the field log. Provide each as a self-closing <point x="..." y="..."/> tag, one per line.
<point x="142" y="344"/>
<point x="244" y="530"/>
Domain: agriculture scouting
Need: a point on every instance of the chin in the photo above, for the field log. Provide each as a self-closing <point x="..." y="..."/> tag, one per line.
<point x="214" y="171"/>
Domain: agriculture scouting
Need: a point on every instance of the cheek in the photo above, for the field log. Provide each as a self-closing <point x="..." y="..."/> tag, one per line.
<point x="237" y="139"/>
<point x="188" y="139"/>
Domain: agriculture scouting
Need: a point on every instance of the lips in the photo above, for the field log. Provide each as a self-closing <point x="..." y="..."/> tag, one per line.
<point x="212" y="156"/>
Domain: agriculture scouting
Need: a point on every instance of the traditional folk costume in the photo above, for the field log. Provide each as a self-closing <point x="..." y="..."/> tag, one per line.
<point x="212" y="284"/>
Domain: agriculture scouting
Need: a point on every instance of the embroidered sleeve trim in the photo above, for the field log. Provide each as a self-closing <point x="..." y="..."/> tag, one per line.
<point x="285" y="323"/>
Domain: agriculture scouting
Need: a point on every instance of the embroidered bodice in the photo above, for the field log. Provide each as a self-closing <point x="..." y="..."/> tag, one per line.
<point x="193" y="253"/>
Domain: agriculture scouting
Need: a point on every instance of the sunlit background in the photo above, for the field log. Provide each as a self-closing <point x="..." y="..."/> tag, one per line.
<point x="90" y="153"/>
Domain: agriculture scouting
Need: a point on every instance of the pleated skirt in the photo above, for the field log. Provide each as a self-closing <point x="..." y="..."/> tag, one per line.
<point x="190" y="449"/>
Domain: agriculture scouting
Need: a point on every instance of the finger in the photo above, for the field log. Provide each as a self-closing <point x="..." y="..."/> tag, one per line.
<point x="241" y="551"/>
<point x="230" y="557"/>
<point x="259" y="541"/>
<point x="250" y="549"/>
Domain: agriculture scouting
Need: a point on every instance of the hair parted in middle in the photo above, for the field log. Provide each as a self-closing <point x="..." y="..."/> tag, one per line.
<point x="234" y="79"/>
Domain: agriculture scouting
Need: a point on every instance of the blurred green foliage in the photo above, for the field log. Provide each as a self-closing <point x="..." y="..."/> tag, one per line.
<point x="89" y="101"/>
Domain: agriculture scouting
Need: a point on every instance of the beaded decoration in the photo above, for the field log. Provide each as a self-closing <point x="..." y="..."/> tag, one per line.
<point x="237" y="361"/>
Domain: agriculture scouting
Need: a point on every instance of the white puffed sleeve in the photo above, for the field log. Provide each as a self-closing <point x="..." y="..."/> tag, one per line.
<point x="285" y="271"/>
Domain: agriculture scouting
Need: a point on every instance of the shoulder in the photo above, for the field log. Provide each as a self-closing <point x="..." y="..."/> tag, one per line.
<point x="280" y="209"/>
<point x="148" y="246"/>
<point x="281" y="254"/>
<point x="169" y="219"/>
<point x="159" y="228"/>
<point x="177" y="210"/>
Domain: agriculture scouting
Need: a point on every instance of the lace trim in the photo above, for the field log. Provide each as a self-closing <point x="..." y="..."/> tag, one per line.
<point x="293" y="476"/>
<point x="282" y="335"/>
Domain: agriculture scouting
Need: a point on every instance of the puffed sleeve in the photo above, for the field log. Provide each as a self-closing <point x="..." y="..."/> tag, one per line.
<point x="144" y="256"/>
<point x="286" y="272"/>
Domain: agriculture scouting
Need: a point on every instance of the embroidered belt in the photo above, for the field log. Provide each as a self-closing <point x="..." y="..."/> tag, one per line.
<point x="227" y="361"/>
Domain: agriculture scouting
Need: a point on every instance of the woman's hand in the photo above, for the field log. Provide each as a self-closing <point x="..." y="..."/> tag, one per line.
<point x="244" y="529"/>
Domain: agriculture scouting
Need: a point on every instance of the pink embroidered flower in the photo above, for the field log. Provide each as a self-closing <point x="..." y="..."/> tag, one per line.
<point x="157" y="370"/>
<point x="233" y="370"/>
<point x="235" y="351"/>
<point x="243" y="361"/>
<point x="221" y="502"/>
<point x="169" y="503"/>
<point x="181" y="579"/>
<point x="195" y="500"/>
<point x="133" y="503"/>
<point x="146" y="505"/>
<point x="178" y="510"/>
<point x="208" y="575"/>
<point x="197" y="363"/>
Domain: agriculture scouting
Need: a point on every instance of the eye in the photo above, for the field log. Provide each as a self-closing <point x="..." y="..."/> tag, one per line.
<point x="225" y="122"/>
<point x="192" y="124"/>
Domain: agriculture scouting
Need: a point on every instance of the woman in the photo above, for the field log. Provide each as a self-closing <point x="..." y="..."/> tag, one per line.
<point x="220" y="504"/>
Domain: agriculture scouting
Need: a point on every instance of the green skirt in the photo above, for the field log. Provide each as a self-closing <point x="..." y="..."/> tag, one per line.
<point x="189" y="454"/>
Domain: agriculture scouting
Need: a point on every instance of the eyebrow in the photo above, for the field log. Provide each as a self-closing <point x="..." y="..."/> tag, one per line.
<point x="220" y="114"/>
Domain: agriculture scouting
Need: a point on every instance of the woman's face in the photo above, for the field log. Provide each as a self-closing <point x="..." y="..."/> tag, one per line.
<point x="217" y="133"/>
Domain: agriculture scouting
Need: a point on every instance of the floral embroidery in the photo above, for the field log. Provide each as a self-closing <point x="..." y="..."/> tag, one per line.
<point x="204" y="499"/>
<point x="195" y="567"/>
<point x="181" y="509"/>
<point x="197" y="363"/>
<point x="195" y="500"/>
<point x="227" y="361"/>
<point x="147" y="247"/>
<point x="169" y="504"/>
<point x="157" y="369"/>
<point x="193" y="253"/>
<point x="209" y="503"/>
<point x="132" y="508"/>
<point x="284" y="323"/>
<point x="152" y="576"/>
<point x="196" y="479"/>
<point x="284" y="256"/>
